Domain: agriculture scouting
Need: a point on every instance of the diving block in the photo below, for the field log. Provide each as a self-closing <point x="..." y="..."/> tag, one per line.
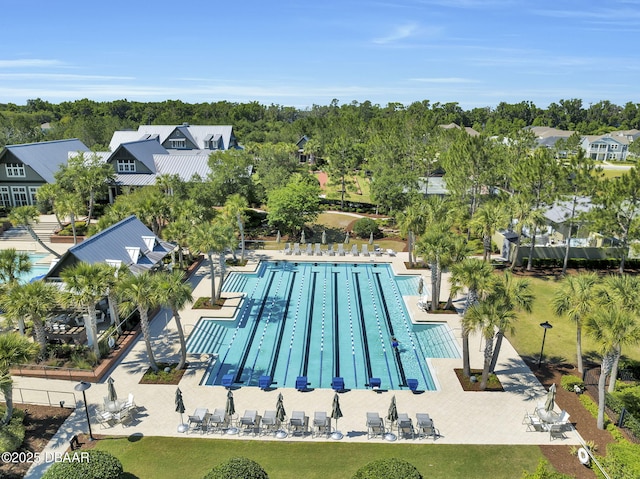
<point x="264" y="382"/>
<point x="301" y="383"/>
<point x="227" y="381"/>
<point x="337" y="384"/>
<point x="413" y="384"/>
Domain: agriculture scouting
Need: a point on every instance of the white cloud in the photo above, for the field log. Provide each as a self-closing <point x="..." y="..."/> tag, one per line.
<point x="399" y="33"/>
<point x="29" y="62"/>
<point x="447" y="80"/>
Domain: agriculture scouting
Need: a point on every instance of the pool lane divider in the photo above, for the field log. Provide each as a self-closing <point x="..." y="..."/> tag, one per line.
<point x="276" y="353"/>
<point x="403" y="376"/>
<point x="254" y="329"/>
<point x="336" y="328"/>
<point x="307" y="344"/>
<point x="365" y="340"/>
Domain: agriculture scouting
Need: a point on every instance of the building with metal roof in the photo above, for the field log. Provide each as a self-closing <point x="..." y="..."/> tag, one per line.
<point x="180" y="137"/>
<point x="25" y="168"/>
<point x="127" y="243"/>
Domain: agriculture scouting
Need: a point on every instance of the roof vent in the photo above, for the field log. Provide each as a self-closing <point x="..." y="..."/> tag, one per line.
<point x="150" y="241"/>
<point x="134" y="253"/>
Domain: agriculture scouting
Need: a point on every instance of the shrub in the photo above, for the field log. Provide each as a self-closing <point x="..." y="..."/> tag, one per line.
<point x="543" y="472"/>
<point x="12" y="435"/>
<point x="622" y="460"/>
<point x="237" y="468"/>
<point x="99" y="465"/>
<point x="569" y="382"/>
<point x="392" y="468"/>
<point x="365" y="226"/>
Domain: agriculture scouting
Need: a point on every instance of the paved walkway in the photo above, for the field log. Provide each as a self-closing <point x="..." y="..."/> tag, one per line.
<point x="461" y="417"/>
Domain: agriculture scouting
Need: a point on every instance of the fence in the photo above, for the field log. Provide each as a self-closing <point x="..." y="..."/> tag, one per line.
<point x="43" y="396"/>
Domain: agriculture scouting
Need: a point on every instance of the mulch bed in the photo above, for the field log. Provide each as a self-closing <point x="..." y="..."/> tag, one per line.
<point x="41" y="422"/>
<point x="557" y="454"/>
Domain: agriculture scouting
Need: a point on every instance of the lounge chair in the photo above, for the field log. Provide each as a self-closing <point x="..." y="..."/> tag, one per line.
<point x="337" y="384"/>
<point x="405" y="426"/>
<point x="563" y="419"/>
<point x="264" y="382"/>
<point x="391" y="252"/>
<point x="301" y="383"/>
<point x="227" y="381"/>
<point x="375" y="383"/>
<point x="375" y="426"/>
<point x="412" y="384"/>
<point x="556" y="431"/>
<point x="340" y="249"/>
<point x="309" y="250"/>
<point x="298" y="422"/>
<point x="425" y="426"/>
<point x="196" y="423"/>
<point x="354" y="250"/>
<point x="365" y="250"/>
<point x="377" y="251"/>
<point x="287" y="249"/>
<point x="321" y="423"/>
<point x="318" y="251"/>
<point x="269" y="423"/>
<point x="296" y="249"/>
<point x="330" y="251"/>
<point x="249" y="422"/>
<point x="218" y="420"/>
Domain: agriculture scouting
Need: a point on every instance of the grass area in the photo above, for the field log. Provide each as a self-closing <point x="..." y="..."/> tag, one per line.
<point x="560" y="343"/>
<point x="358" y="189"/>
<point x="613" y="173"/>
<point x="161" y="457"/>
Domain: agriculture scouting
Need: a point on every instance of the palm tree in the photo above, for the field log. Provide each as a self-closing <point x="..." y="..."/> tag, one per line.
<point x="234" y="208"/>
<point x="411" y="221"/>
<point x="25" y="216"/>
<point x="517" y="295"/>
<point x="477" y="277"/>
<point x="486" y="219"/>
<point x="86" y="284"/>
<point x="610" y="327"/>
<point x="14" y="349"/>
<point x="34" y="301"/>
<point x="435" y="247"/>
<point x="13" y="263"/>
<point x="176" y="293"/>
<point x="485" y="316"/>
<point x="141" y="292"/>
<point x="576" y="298"/>
<point x="522" y="211"/>
<point x="70" y="204"/>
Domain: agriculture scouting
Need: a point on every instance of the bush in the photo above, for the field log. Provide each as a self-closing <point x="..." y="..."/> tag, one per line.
<point x="543" y="472"/>
<point x="365" y="226"/>
<point x="622" y="460"/>
<point x="237" y="468"/>
<point x="99" y="465"/>
<point x="392" y="468"/>
<point x="569" y="382"/>
<point x="12" y="435"/>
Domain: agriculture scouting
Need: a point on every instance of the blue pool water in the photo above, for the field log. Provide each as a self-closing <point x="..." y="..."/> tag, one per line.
<point x="36" y="269"/>
<point x="322" y="320"/>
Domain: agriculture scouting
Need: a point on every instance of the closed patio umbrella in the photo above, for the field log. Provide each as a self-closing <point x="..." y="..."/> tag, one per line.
<point x="420" y="285"/>
<point x="324" y="237"/>
<point x="230" y="409"/>
<point x="336" y="414"/>
<point x="371" y="238"/>
<point x="280" y="412"/>
<point x="303" y="240"/>
<point x="278" y="237"/>
<point x="182" y="427"/>
<point x="392" y="415"/>
<point x="551" y="397"/>
<point x="111" y="390"/>
<point x="346" y="238"/>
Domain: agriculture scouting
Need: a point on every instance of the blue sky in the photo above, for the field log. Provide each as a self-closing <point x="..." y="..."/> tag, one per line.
<point x="299" y="53"/>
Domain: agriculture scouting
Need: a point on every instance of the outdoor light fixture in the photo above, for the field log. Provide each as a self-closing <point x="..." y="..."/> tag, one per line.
<point x="83" y="386"/>
<point x="546" y="325"/>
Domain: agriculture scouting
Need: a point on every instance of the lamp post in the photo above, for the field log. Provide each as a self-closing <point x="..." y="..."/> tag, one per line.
<point x="83" y="386"/>
<point x="546" y="325"/>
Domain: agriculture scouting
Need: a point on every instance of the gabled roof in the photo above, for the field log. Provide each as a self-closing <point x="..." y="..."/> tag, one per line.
<point x="46" y="157"/>
<point x="542" y="132"/>
<point x="111" y="245"/>
<point x="142" y="151"/>
<point x="561" y="210"/>
<point x="197" y="134"/>
<point x="470" y="131"/>
<point x="185" y="166"/>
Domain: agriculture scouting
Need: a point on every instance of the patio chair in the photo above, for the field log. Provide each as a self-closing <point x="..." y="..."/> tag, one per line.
<point x="269" y="423"/>
<point x="130" y="403"/>
<point x="301" y="383"/>
<point x="105" y="419"/>
<point x="218" y="421"/>
<point x="556" y="431"/>
<point x="330" y="251"/>
<point x="354" y="250"/>
<point x="337" y="384"/>
<point x="196" y="423"/>
<point x="377" y="251"/>
<point x="425" y="427"/>
<point x="318" y="251"/>
<point x="375" y="383"/>
<point x="264" y="382"/>
<point x="287" y="249"/>
<point x="533" y="423"/>
<point x="563" y="419"/>
<point x="296" y="249"/>
<point x="227" y="381"/>
<point x="405" y="426"/>
<point x="413" y="385"/>
<point x="391" y="252"/>
<point x="365" y="250"/>
<point x="309" y="250"/>
<point x="249" y="422"/>
<point x="124" y="417"/>
<point x="298" y="423"/>
<point x="321" y="423"/>
<point x="375" y="426"/>
<point x="340" y="249"/>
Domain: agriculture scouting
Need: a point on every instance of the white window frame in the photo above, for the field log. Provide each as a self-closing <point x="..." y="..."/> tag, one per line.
<point x="5" y="196"/>
<point x="15" y="170"/>
<point x="126" y="166"/>
<point x="16" y="195"/>
<point x="33" y="191"/>
<point x="178" y="143"/>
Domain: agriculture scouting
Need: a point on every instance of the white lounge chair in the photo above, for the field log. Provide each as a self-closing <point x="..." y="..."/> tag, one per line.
<point x="354" y="250"/>
<point x="340" y="249"/>
<point x="318" y="251"/>
<point x="375" y="426"/>
<point x="321" y="423"/>
<point x="377" y="251"/>
<point x="365" y="250"/>
<point x="330" y="251"/>
<point x="425" y="426"/>
<point x="405" y="426"/>
<point x="249" y="422"/>
<point x="309" y="250"/>
<point x="391" y="252"/>
<point x="287" y="249"/>
<point x="269" y="423"/>
<point x="296" y="249"/>
<point x="299" y="422"/>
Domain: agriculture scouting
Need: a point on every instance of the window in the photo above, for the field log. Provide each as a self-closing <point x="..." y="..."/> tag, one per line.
<point x="614" y="146"/>
<point x="178" y="143"/>
<point x="126" y="166"/>
<point x="5" y="198"/>
<point x="15" y="169"/>
<point x="33" y="191"/>
<point x="19" y="196"/>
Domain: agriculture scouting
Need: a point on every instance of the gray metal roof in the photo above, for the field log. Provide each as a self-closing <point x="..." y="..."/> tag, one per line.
<point x="198" y="134"/>
<point x="561" y="211"/>
<point x="134" y="179"/>
<point x="142" y="151"/>
<point x="46" y="157"/>
<point x="112" y="243"/>
<point x="185" y="166"/>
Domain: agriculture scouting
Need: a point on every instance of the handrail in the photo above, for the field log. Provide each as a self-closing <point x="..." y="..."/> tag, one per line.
<point x="58" y="402"/>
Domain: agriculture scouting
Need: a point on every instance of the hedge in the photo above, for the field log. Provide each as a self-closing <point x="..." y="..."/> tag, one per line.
<point x="392" y="468"/>
<point x="12" y="435"/>
<point x="582" y="263"/>
<point x="98" y="465"/>
<point x="237" y="468"/>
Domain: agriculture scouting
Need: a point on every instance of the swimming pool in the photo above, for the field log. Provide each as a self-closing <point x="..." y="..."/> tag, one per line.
<point x="322" y="320"/>
<point x="36" y="269"/>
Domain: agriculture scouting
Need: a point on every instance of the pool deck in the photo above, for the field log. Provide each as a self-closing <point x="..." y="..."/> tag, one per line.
<point x="461" y="417"/>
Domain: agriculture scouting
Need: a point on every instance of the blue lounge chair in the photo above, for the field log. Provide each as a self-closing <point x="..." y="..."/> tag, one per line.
<point x="227" y="380"/>
<point x="413" y="384"/>
<point x="301" y="383"/>
<point x="375" y="383"/>
<point x="264" y="382"/>
<point x="337" y="384"/>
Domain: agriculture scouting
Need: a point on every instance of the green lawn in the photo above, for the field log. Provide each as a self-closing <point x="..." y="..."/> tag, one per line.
<point x="560" y="344"/>
<point x="191" y="458"/>
<point x="361" y="195"/>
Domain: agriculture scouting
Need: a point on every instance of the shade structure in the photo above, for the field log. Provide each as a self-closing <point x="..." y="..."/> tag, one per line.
<point x="182" y="427"/>
<point x="111" y="390"/>
<point x="551" y="398"/>
<point x="371" y="238"/>
<point x="303" y="239"/>
<point x="324" y="237"/>
<point x="392" y="414"/>
<point x="420" y="285"/>
<point x="230" y="408"/>
<point x="278" y="237"/>
<point x="280" y="412"/>
<point x="336" y="413"/>
<point x="346" y="238"/>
